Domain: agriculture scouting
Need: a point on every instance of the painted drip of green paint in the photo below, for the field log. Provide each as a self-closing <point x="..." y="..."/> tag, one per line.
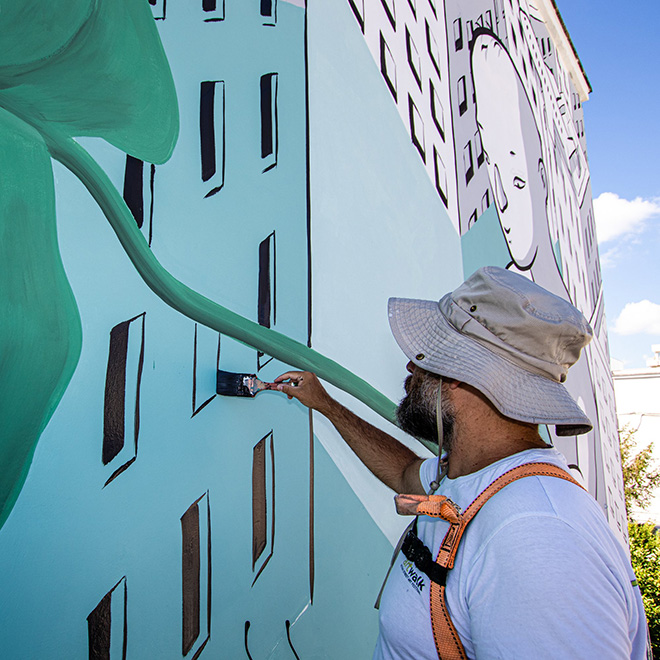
<point x="40" y="332"/>
<point x="194" y="305"/>
<point x="90" y="68"/>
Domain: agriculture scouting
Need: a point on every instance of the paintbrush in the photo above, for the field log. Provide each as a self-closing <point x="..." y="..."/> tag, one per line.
<point x="229" y="383"/>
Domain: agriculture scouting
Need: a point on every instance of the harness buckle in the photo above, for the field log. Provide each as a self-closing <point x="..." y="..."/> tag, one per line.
<point x="415" y="551"/>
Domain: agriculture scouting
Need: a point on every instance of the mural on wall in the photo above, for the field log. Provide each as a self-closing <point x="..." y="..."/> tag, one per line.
<point x="297" y="162"/>
<point x="494" y="113"/>
<point x="517" y="173"/>
<point x="41" y="116"/>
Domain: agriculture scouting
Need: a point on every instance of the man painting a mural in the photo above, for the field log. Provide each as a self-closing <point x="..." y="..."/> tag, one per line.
<point x="188" y="190"/>
<point x="537" y="571"/>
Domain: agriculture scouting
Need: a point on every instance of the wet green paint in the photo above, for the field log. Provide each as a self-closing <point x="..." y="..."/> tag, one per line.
<point x="194" y="305"/>
<point x="40" y="333"/>
<point x="81" y="67"/>
<point x="87" y="68"/>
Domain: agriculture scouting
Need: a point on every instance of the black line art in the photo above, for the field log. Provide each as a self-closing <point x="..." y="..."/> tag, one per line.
<point x="100" y="624"/>
<point x="212" y="134"/>
<point x="269" y="131"/>
<point x="115" y="409"/>
<point x="195" y="385"/>
<point x="193" y="554"/>
<point x="263" y="502"/>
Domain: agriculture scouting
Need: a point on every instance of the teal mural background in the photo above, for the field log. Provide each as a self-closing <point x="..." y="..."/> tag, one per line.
<point x="69" y="540"/>
<point x="358" y="215"/>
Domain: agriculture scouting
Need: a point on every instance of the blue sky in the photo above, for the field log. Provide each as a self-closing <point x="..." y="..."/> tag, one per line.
<point x="617" y="45"/>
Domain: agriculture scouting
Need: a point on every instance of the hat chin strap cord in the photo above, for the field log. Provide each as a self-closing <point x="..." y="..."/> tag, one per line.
<point x="433" y="486"/>
<point x="442" y="464"/>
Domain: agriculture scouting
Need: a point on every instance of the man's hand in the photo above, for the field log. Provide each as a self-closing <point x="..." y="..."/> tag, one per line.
<point x="305" y="386"/>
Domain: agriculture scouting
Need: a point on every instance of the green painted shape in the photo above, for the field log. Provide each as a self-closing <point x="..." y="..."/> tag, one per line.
<point x="80" y="67"/>
<point x="93" y="68"/>
<point x="556" y="248"/>
<point x="545" y="434"/>
<point x="40" y="332"/>
<point x="194" y="305"/>
<point x="97" y="69"/>
<point x="484" y="244"/>
<point x="55" y="22"/>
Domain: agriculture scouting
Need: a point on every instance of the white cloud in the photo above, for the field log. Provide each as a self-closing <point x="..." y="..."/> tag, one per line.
<point x="608" y="258"/>
<point x="616" y="216"/>
<point x="637" y="318"/>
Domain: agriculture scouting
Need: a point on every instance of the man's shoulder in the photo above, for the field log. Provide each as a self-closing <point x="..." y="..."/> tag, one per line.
<point x="543" y="497"/>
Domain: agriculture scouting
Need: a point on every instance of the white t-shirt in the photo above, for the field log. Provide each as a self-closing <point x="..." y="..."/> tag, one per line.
<point x="538" y="575"/>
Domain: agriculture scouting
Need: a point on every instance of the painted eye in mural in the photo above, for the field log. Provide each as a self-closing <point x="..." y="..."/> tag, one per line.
<point x="519" y="183"/>
<point x="500" y="195"/>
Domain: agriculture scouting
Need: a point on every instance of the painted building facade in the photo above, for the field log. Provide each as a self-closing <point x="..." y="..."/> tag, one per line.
<point x="328" y="155"/>
<point x="638" y="410"/>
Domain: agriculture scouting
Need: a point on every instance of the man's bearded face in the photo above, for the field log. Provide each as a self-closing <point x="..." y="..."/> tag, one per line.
<point x="417" y="411"/>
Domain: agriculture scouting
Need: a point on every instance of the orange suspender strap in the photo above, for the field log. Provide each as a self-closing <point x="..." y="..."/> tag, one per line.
<point x="447" y="641"/>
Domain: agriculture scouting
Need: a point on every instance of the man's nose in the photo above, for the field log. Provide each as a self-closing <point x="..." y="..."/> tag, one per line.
<point x="411" y="366"/>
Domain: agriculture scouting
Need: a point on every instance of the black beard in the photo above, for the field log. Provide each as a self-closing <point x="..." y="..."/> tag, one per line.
<point x="417" y="416"/>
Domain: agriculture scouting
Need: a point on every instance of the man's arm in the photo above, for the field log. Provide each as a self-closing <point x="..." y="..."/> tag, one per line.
<point x="393" y="463"/>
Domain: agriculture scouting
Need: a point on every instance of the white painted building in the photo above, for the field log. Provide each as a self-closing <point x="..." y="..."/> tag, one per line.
<point x="638" y="408"/>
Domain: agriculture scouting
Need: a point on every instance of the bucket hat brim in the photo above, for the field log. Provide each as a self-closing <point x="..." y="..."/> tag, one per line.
<point x="432" y="343"/>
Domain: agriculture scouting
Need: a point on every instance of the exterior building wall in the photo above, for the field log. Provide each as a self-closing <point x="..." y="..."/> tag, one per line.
<point x="322" y="165"/>
<point x="638" y="410"/>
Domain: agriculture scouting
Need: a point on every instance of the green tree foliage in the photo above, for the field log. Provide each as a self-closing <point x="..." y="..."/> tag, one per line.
<point x="645" y="558"/>
<point x="640" y="481"/>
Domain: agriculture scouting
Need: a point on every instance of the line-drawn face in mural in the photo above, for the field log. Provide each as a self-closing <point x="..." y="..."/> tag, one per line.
<point x="512" y="147"/>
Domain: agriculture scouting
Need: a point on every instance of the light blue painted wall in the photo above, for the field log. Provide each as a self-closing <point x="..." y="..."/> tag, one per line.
<point x="69" y="540"/>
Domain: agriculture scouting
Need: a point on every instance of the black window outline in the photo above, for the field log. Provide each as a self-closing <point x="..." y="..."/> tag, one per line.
<point x="115" y="450"/>
<point x="468" y="163"/>
<point x="461" y="88"/>
<point x="440" y="169"/>
<point x="267" y="290"/>
<point x="263" y="503"/>
<point x="159" y="15"/>
<point x="435" y="101"/>
<point x="414" y="59"/>
<point x="469" y="32"/>
<point x="472" y="219"/>
<point x="413" y="7"/>
<point x="489" y="19"/>
<point x="430" y="44"/>
<point x="134" y="193"/>
<point x="384" y="68"/>
<point x="359" y="13"/>
<point x="433" y="8"/>
<point x="192" y="551"/>
<point x="196" y="409"/>
<point x="458" y="40"/>
<point x="390" y="11"/>
<point x="100" y="622"/>
<point x="485" y="198"/>
<point x="479" y="149"/>
<point x="212" y="120"/>
<point x="211" y="10"/>
<point x="268" y="85"/>
<point x="269" y="18"/>
<point x="416" y="122"/>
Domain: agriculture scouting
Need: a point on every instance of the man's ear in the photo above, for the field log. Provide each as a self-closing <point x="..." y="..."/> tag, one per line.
<point x="453" y="384"/>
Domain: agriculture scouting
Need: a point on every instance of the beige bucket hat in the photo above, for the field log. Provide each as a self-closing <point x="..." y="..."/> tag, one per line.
<point x="504" y="335"/>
